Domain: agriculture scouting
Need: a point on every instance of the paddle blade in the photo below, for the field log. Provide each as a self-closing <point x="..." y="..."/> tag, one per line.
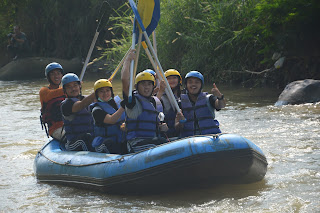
<point x="145" y="9"/>
<point x="147" y="15"/>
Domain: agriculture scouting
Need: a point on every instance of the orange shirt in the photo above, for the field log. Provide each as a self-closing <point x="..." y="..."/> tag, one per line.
<point x="46" y="94"/>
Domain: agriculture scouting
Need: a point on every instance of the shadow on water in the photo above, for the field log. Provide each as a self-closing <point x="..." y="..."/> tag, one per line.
<point x="177" y="197"/>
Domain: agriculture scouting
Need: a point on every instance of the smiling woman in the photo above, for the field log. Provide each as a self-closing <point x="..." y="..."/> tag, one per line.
<point x="108" y="116"/>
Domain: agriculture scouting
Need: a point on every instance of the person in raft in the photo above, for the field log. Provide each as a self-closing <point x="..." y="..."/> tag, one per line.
<point x="77" y="118"/>
<point x="51" y="98"/>
<point x="198" y="108"/>
<point x="143" y="124"/>
<point x="108" y="116"/>
<point x="157" y="84"/>
<point x="175" y="81"/>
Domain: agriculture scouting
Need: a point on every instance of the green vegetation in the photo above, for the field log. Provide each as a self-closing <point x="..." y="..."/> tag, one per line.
<point x="230" y="41"/>
<point x="220" y="38"/>
<point x="55" y="28"/>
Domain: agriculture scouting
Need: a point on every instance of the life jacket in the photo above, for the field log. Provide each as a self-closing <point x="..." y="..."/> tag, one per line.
<point x="170" y="115"/>
<point x="82" y="122"/>
<point x="111" y="131"/>
<point x="204" y="116"/>
<point x="51" y="113"/>
<point x="146" y="124"/>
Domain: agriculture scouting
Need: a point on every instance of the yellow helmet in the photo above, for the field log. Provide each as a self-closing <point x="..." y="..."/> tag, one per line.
<point x="173" y="72"/>
<point x="101" y="83"/>
<point x="144" y="76"/>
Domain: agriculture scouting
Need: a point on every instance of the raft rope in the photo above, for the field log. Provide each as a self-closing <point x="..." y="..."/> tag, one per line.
<point x="81" y="165"/>
<point x="122" y="157"/>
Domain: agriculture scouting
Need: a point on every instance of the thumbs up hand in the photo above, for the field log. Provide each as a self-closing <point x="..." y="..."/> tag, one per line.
<point x="215" y="91"/>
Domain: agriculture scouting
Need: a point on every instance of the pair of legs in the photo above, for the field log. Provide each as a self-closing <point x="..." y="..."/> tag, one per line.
<point x="139" y="144"/>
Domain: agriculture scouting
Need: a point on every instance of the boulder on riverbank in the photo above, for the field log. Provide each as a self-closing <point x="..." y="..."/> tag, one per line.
<point x="300" y="92"/>
<point x="33" y="67"/>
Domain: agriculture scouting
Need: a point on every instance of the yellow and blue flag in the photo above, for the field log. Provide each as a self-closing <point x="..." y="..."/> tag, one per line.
<point x="147" y="14"/>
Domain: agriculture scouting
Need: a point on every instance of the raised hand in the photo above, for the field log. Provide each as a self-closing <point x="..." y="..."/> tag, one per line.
<point x="215" y="91"/>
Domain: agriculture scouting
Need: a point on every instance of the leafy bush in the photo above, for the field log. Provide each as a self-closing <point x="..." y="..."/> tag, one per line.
<point x="223" y="39"/>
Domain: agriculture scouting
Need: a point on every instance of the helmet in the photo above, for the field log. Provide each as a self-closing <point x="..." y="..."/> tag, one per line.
<point x="173" y="72"/>
<point x="101" y="83"/>
<point x="52" y="66"/>
<point x="150" y="71"/>
<point x="144" y="76"/>
<point x="70" y="77"/>
<point x="194" y="74"/>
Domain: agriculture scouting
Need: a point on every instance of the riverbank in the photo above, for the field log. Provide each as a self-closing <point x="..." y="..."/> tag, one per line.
<point x="33" y="67"/>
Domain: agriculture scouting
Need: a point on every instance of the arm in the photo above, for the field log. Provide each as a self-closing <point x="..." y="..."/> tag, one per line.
<point x="220" y="102"/>
<point x="100" y="116"/>
<point x="20" y="39"/>
<point x="161" y="90"/>
<point x="47" y="94"/>
<point x="79" y="105"/>
<point x="179" y="126"/>
<point x="125" y="72"/>
<point x="112" y="119"/>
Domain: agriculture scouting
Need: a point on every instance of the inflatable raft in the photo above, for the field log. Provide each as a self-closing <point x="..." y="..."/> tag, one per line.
<point x="226" y="158"/>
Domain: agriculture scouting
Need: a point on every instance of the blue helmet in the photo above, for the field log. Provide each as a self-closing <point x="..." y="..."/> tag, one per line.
<point x="70" y="77"/>
<point x="52" y="66"/>
<point x="150" y="71"/>
<point x="194" y="74"/>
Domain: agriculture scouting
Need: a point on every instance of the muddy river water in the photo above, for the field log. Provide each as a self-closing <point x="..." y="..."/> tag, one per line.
<point x="288" y="135"/>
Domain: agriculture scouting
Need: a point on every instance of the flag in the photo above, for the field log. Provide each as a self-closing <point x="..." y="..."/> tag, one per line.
<point x="147" y="14"/>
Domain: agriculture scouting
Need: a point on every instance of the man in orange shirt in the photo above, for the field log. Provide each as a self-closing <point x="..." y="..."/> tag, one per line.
<point x="51" y="98"/>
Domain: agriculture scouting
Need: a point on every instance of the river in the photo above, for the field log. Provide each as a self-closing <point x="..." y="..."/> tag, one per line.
<point x="289" y="136"/>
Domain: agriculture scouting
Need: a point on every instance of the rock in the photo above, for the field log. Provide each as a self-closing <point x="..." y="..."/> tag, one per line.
<point x="33" y="67"/>
<point x="299" y="92"/>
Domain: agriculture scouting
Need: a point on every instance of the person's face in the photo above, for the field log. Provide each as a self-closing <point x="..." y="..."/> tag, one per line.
<point x="105" y="93"/>
<point x="16" y="30"/>
<point x="145" y="88"/>
<point x="173" y="81"/>
<point x="193" y="85"/>
<point x="55" y="76"/>
<point x="72" y="89"/>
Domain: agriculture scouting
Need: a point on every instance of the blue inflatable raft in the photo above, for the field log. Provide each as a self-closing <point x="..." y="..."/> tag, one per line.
<point x="226" y="158"/>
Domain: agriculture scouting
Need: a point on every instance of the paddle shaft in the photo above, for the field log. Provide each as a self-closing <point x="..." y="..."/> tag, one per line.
<point x="170" y="93"/>
<point x="89" y="55"/>
<point x="137" y="56"/>
<point x="132" y="61"/>
<point x="155" y="68"/>
<point x="119" y="65"/>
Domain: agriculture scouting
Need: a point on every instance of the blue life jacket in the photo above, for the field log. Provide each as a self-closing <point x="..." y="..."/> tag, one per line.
<point x="81" y="123"/>
<point x="146" y="124"/>
<point x="204" y="116"/>
<point x="170" y="115"/>
<point x="111" y="131"/>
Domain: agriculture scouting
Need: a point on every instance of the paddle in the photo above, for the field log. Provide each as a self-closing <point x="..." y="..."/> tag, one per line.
<point x="168" y="91"/>
<point x="119" y="65"/>
<point x="137" y="56"/>
<point x="95" y="37"/>
<point x="146" y="36"/>
<point x="146" y="9"/>
<point x="133" y="43"/>
<point x="154" y="41"/>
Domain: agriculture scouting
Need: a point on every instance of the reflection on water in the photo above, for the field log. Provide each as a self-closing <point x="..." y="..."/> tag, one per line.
<point x="288" y="135"/>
